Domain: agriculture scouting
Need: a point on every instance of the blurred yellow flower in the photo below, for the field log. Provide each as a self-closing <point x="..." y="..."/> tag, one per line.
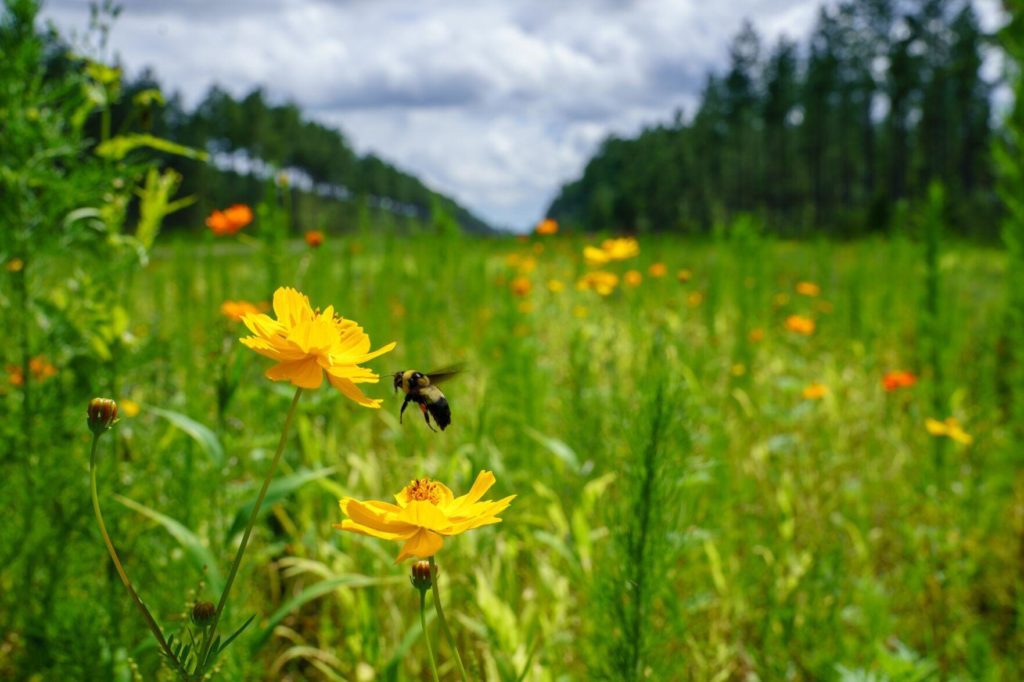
<point x="426" y="513"/>
<point x="555" y="285"/>
<point x="305" y="343"/>
<point x="601" y="281"/>
<point x="684" y="276"/>
<point x="738" y="370"/>
<point x="524" y="263"/>
<point x="800" y="325"/>
<point x="521" y="286"/>
<point x="580" y="311"/>
<point x="756" y="335"/>
<point x="236" y="310"/>
<point x="815" y="391"/>
<point x="595" y="256"/>
<point x="807" y="289"/>
<point x="129" y="408"/>
<point x="547" y="226"/>
<point x="14" y="265"/>
<point x="657" y="270"/>
<point x="621" y="248"/>
<point x="950" y="428"/>
<point x="525" y="307"/>
<point x="633" y="278"/>
<point x="695" y="299"/>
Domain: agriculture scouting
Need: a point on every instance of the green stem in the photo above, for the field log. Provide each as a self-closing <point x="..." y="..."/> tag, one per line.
<point x="426" y="635"/>
<point x="444" y="622"/>
<point x="150" y="621"/>
<point x="248" y="530"/>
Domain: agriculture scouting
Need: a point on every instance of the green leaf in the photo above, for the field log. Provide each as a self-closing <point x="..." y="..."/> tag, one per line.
<point x="190" y="541"/>
<point x="278" y="490"/>
<point x="557" y="448"/>
<point x="202" y="435"/>
<point x="117" y="148"/>
<point x="314" y="591"/>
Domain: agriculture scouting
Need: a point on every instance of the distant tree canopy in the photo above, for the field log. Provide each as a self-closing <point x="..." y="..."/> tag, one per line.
<point x="279" y="136"/>
<point x="886" y="97"/>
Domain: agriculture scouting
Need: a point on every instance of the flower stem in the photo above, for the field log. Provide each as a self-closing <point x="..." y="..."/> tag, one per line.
<point x="444" y="622"/>
<point x="150" y="621"/>
<point x="248" y="530"/>
<point x="426" y="635"/>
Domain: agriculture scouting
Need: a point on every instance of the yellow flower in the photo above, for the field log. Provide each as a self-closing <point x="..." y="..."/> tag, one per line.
<point x="657" y="270"/>
<point x="426" y="512"/>
<point x="815" y="391"/>
<point x="600" y="281"/>
<point x="305" y="343"/>
<point x="808" y="289"/>
<point x="633" y="278"/>
<point x="950" y="428"/>
<point x="579" y="311"/>
<point x="14" y="265"/>
<point x="130" y="408"/>
<point x="695" y="299"/>
<point x="595" y="256"/>
<point x="684" y="276"/>
<point x="555" y="285"/>
<point x="621" y="249"/>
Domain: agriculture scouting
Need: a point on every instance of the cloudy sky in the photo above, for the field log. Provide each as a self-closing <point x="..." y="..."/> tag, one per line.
<point x="495" y="102"/>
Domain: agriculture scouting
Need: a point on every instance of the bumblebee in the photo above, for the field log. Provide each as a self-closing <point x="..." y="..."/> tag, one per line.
<point x="421" y="388"/>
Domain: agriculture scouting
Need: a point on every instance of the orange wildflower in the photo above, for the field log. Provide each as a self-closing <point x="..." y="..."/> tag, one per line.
<point x="808" y="289"/>
<point x="236" y="310"/>
<point x="800" y="325"/>
<point x="657" y="270"/>
<point x="548" y="226"/>
<point x="314" y="238"/>
<point x="521" y="286"/>
<point x="898" y="379"/>
<point x="815" y="391"/>
<point x="756" y="335"/>
<point x="14" y="265"/>
<point x="633" y="278"/>
<point x="230" y="220"/>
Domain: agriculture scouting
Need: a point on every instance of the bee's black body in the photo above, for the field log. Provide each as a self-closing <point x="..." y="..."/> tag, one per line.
<point x="419" y="389"/>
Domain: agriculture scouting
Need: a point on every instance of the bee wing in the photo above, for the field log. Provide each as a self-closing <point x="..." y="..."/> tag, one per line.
<point x="445" y="373"/>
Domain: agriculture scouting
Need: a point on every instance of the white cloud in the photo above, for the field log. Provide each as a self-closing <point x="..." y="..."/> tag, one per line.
<point x="495" y="102"/>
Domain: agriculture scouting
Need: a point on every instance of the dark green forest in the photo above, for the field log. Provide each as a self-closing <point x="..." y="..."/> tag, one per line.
<point x="837" y="136"/>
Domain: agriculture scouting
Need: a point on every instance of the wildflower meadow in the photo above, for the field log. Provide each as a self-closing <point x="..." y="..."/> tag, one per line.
<point x="724" y="455"/>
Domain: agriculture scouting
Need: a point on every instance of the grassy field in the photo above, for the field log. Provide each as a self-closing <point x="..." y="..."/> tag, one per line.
<point x="707" y="488"/>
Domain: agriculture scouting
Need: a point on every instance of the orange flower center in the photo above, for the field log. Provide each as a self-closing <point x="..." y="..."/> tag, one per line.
<point x="424" y="489"/>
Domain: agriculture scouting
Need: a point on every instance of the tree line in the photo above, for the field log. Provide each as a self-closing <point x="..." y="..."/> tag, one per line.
<point x="838" y="135"/>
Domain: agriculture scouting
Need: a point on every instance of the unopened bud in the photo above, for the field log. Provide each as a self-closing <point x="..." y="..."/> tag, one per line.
<point x="202" y="613"/>
<point x="421" y="577"/>
<point x="102" y="414"/>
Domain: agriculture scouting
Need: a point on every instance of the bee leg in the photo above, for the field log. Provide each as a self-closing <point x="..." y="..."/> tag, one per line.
<point x="426" y="418"/>
<point x="405" y="404"/>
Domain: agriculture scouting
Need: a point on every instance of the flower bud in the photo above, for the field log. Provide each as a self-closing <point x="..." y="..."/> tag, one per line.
<point x="102" y="414"/>
<point x="421" y="575"/>
<point x="203" y="613"/>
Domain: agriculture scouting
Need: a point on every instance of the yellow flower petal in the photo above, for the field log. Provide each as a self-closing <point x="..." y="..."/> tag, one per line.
<point x="377" y="519"/>
<point x="352" y="392"/>
<point x="423" y="544"/>
<point x="484" y="481"/>
<point x="424" y="514"/>
<point x="305" y="373"/>
<point x="354" y="527"/>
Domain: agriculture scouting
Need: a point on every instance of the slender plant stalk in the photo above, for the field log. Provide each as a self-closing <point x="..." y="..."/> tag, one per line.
<point x="444" y="622"/>
<point x="248" y="530"/>
<point x="150" y="621"/>
<point x="426" y="635"/>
